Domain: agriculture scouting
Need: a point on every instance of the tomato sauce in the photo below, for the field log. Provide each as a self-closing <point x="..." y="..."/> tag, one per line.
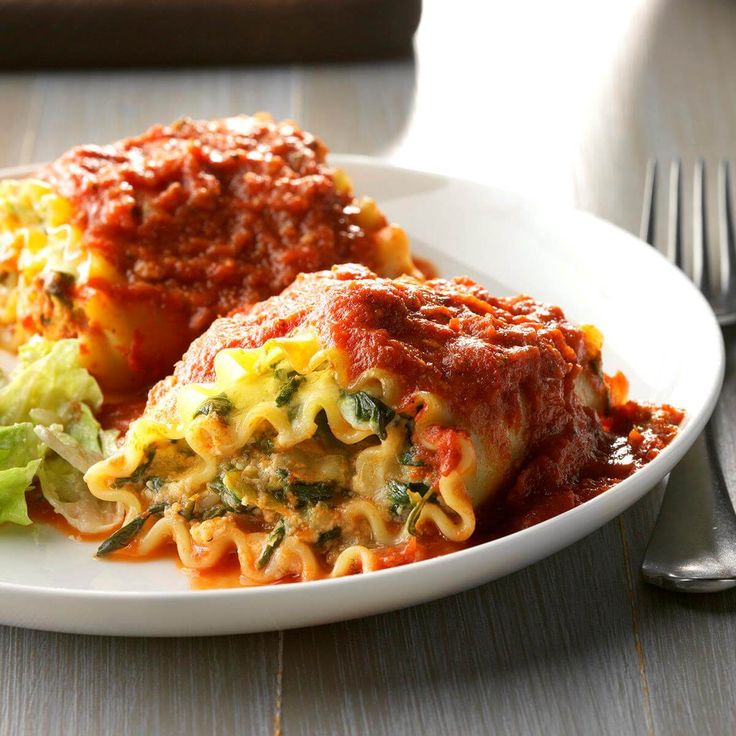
<point x="475" y="351"/>
<point x="499" y="364"/>
<point x="117" y="412"/>
<point x="225" y="574"/>
<point x="198" y="218"/>
<point x="634" y="434"/>
<point x="41" y="511"/>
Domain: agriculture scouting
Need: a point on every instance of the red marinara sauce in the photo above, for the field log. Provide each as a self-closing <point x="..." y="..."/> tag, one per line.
<point x="40" y="511"/>
<point x="475" y="351"/>
<point x="200" y="217"/>
<point x="119" y="411"/>
<point x="496" y="362"/>
<point x="633" y="435"/>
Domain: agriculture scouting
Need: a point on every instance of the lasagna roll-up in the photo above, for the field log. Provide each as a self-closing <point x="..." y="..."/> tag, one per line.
<point x="136" y="247"/>
<point x="352" y="423"/>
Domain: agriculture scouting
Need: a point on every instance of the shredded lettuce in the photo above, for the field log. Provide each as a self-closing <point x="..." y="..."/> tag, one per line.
<point x="80" y="446"/>
<point x="51" y="390"/>
<point x="49" y="381"/>
<point x="64" y="488"/>
<point x="20" y="456"/>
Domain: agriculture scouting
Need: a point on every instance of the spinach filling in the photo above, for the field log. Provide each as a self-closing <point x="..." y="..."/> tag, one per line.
<point x="292" y="383"/>
<point x="227" y="496"/>
<point x="126" y="534"/>
<point x="299" y="494"/>
<point x="410" y="455"/>
<point x="413" y="518"/>
<point x="362" y="408"/>
<point x="412" y="497"/>
<point x="309" y="494"/>
<point x="155" y="483"/>
<point x="329" y="536"/>
<point x="398" y="494"/>
<point x="137" y="476"/>
<point x="405" y="499"/>
<point x="190" y="512"/>
<point x="273" y="540"/>
<point x="218" y="405"/>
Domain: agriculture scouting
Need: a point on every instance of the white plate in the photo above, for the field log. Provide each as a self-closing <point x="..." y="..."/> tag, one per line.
<point x="659" y="331"/>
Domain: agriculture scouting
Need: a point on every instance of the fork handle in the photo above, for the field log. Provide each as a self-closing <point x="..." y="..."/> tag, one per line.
<point x="692" y="547"/>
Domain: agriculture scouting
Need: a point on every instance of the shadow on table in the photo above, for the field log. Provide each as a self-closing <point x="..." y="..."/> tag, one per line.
<point x="357" y="108"/>
<point x="718" y="604"/>
<point x="546" y="635"/>
<point x="666" y="95"/>
<point x="360" y="107"/>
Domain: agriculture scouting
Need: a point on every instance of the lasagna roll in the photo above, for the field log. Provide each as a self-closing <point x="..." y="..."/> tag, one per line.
<point x="136" y="247"/>
<point x="355" y="422"/>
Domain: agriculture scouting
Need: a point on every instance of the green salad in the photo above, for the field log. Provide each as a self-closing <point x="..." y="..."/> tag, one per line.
<point x="49" y="435"/>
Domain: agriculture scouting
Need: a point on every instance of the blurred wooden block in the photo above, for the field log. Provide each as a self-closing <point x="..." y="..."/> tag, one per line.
<point x="79" y="33"/>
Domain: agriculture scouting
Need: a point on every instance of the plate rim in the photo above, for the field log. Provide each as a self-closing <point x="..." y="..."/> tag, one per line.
<point x="646" y="476"/>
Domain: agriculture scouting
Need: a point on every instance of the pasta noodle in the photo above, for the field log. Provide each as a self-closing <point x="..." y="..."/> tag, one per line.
<point x="347" y="423"/>
<point x="135" y="247"/>
<point x="320" y="422"/>
<point x="223" y="452"/>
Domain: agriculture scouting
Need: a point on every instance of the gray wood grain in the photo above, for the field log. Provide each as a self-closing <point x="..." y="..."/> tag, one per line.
<point x="61" y="684"/>
<point x="18" y="131"/>
<point x="690" y="640"/>
<point x="547" y="650"/>
<point x="98" y="107"/>
<point x="569" y="108"/>
<point x="77" y="685"/>
<point x="354" y="108"/>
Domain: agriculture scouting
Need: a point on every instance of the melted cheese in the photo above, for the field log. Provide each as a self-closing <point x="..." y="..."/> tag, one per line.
<point x="274" y="427"/>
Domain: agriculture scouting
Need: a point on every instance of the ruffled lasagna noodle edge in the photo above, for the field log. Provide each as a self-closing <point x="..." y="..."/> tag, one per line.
<point x="205" y="544"/>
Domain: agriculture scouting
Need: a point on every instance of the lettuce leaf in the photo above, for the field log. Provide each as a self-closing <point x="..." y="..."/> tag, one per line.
<point x="79" y="443"/>
<point x="64" y="488"/>
<point x="50" y="389"/>
<point x="85" y="429"/>
<point x="20" y="457"/>
<point x="48" y="380"/>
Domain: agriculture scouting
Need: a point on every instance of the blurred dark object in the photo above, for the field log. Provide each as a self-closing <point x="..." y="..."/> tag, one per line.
<point x="120" y="33"/>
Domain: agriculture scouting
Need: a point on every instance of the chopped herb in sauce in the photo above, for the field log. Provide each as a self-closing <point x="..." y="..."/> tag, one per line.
<point x="398" y="494"/>
<point x="226" y="495"/>
<point x="362" y="408"/>
<point x="273" y="540"/>
<point x="219" y="405"/>
<point x="329" y="536"/>
<point x="125" y="535"/>
<point x="289" y="389"/>
<point x="308" y="494"/>
<point x="137" y="475"/>
<point x="413" y="518"/>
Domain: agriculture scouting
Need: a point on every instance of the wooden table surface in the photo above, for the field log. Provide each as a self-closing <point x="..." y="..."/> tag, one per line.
<point x="565" y="101"/>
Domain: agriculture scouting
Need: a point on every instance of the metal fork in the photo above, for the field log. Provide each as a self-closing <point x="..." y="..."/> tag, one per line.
<point x="693" y="545"/>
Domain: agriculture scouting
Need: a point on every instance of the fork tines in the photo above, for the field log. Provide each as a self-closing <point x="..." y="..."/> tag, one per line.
<point x="717" y="284"/>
